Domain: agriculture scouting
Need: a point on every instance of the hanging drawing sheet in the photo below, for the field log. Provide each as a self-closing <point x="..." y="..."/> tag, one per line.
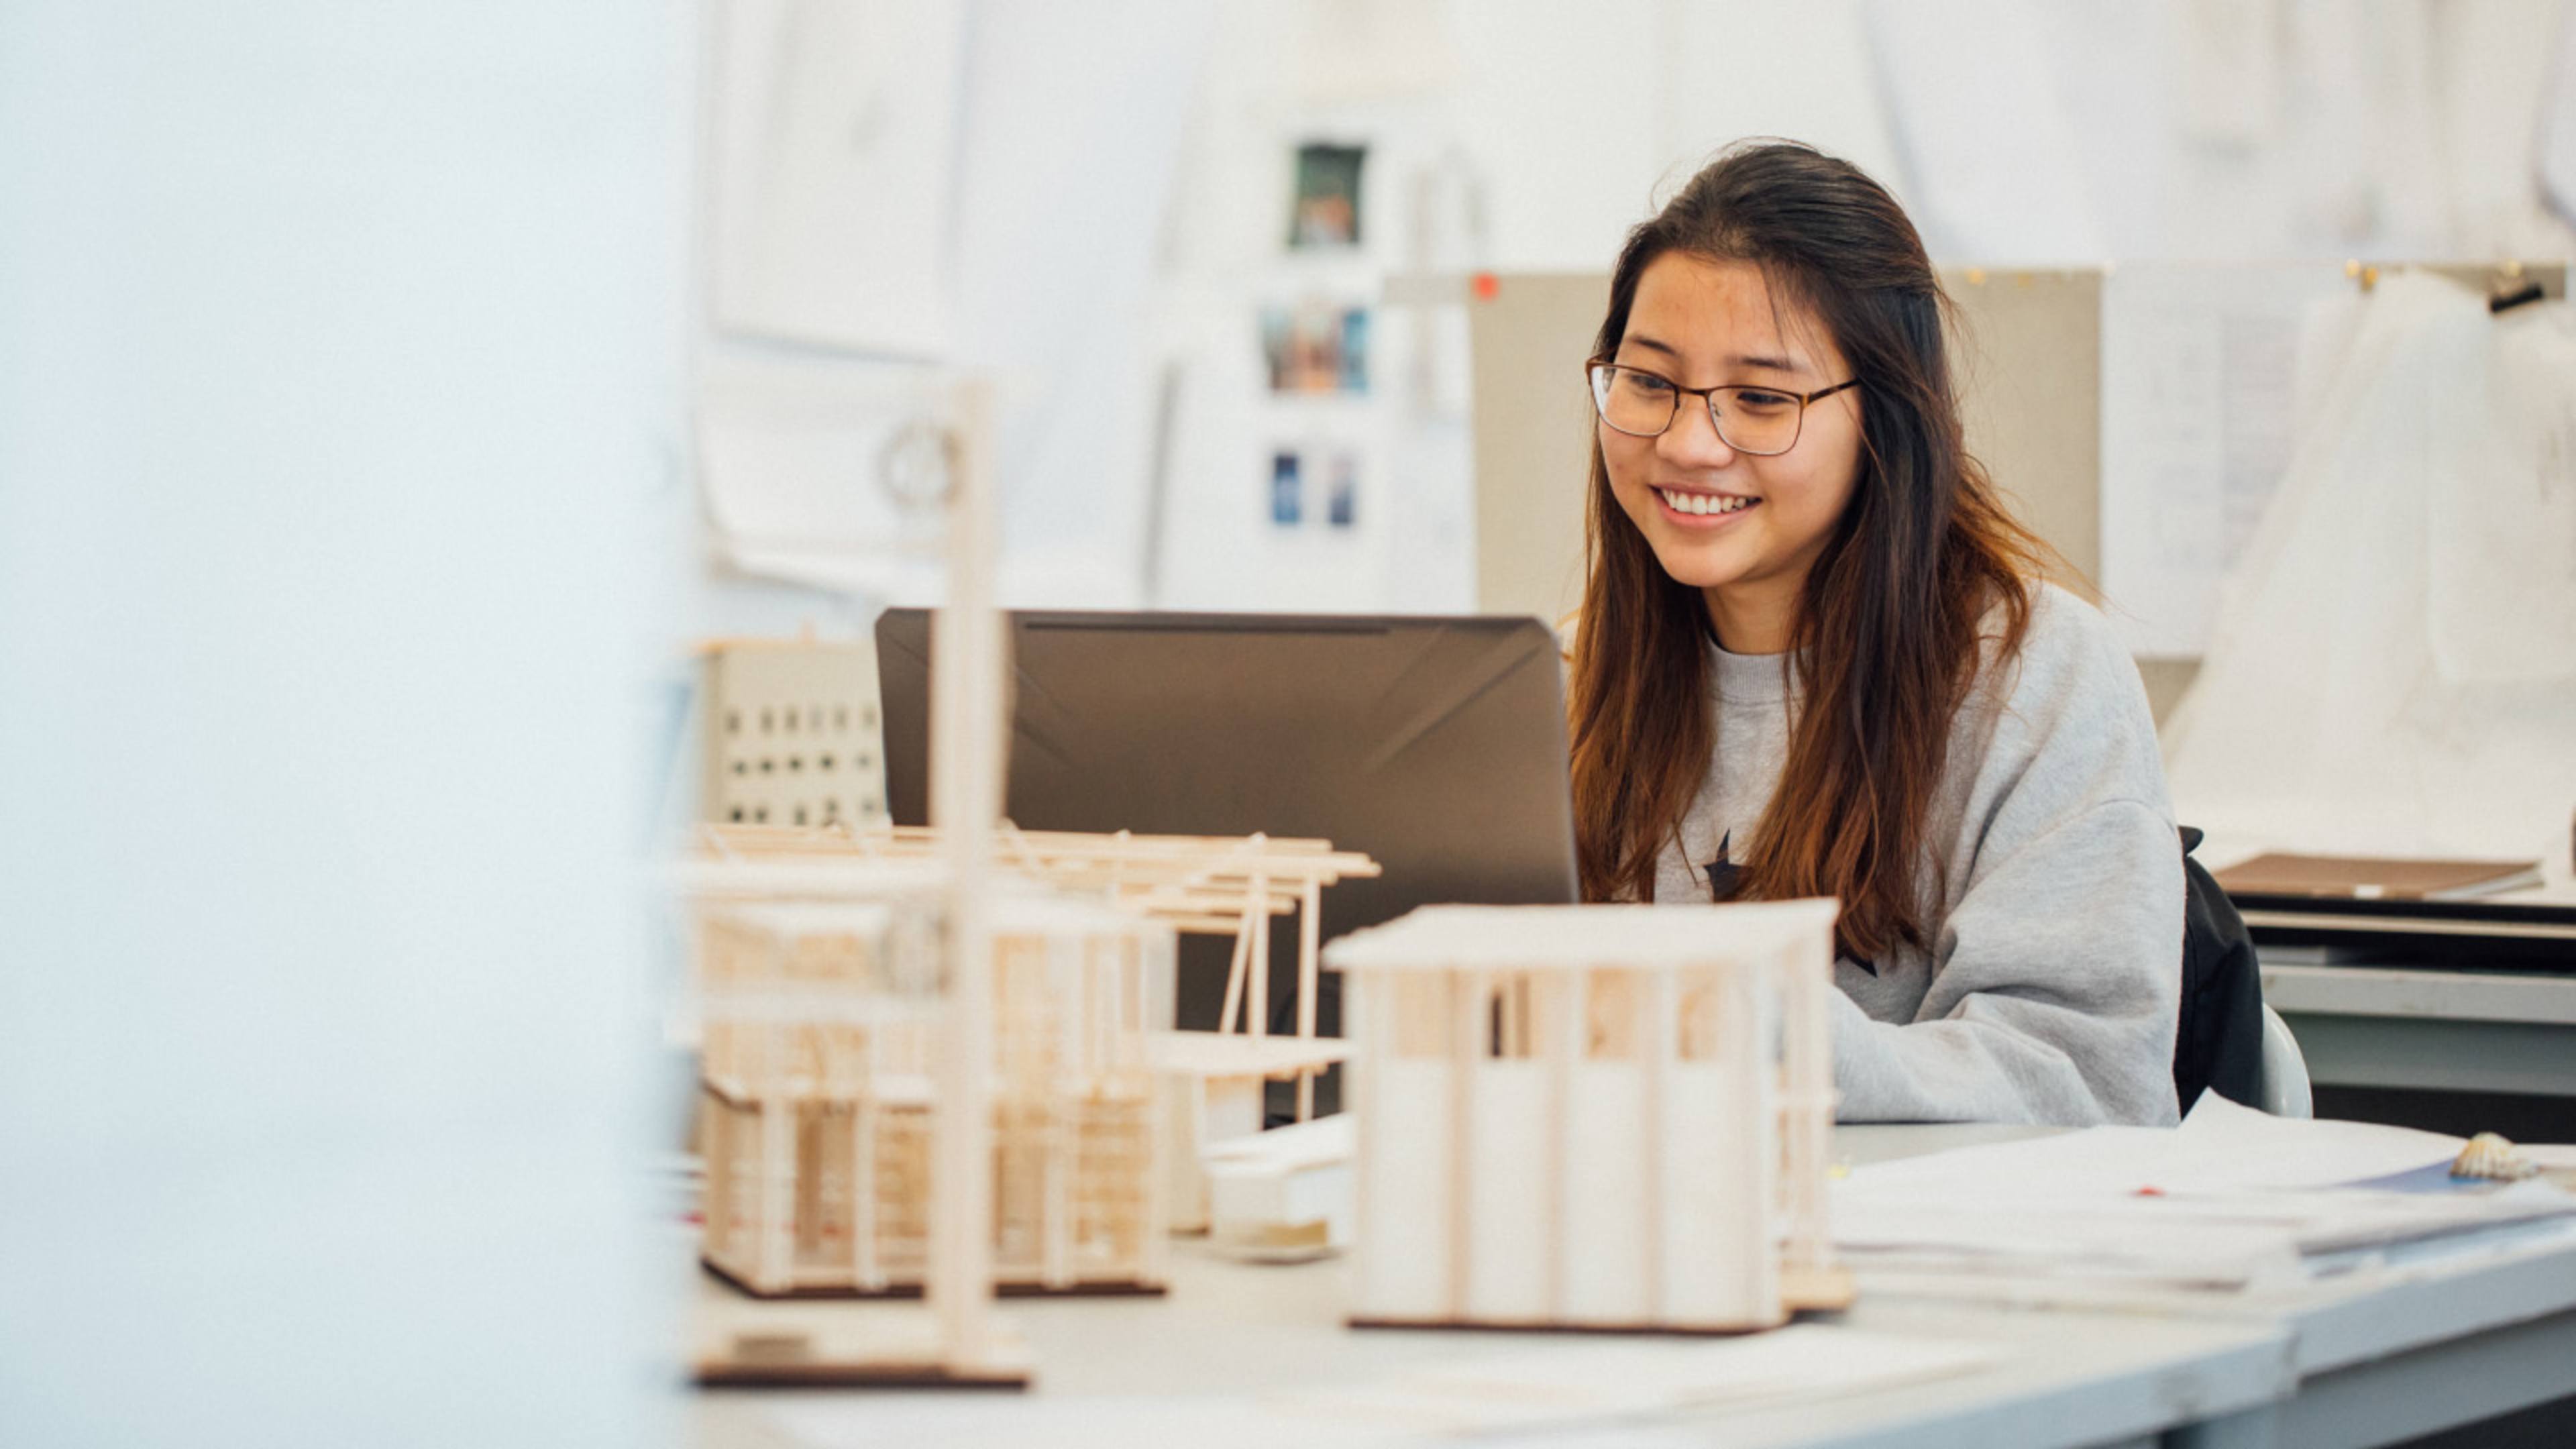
<point x="2393" y="669"/>
<point x="834" y="158"/>
<point x="2200" y="395"/>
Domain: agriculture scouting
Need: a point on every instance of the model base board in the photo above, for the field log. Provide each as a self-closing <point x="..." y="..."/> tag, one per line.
<point x="896" y="1349"/>
<point x="841" y="1291"/>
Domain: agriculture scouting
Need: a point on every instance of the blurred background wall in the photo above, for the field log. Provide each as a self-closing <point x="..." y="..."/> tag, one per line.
<point x="1122" y="260"/>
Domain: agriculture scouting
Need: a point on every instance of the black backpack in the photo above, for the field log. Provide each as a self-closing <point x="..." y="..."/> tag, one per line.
<point x="2219" y="1042"/>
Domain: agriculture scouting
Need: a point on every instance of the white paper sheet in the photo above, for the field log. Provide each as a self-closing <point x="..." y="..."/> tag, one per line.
<point x="2231" y="1199"/>
<point x="2219" y="1145"/>
<point x="2393" y="670"/>
<point x="2557" y="144"/>
<point x="1591" y="1380"/>
<point x="2200" y="377"/>
<point x="834" y="151"/>
<point x="793" y="460"/>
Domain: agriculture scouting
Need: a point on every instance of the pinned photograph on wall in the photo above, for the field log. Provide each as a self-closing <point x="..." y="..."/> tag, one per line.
<point x="1287" y="490"/>
<point x="1316" y="347"/>
<point x="1326" y="212"/>
<point x="1341" y="496"/>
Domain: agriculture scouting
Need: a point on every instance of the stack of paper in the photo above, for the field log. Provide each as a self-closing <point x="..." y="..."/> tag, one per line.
<point x="2230" y="1199"/>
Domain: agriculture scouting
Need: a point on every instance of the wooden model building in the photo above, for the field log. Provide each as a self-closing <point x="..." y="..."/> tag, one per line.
<point x="1222" y="885"/>
<point x="819" y="1106"/>
<point x="1601" y="1117"/>
<point x="818" y="989"/>
<point x="789" y="732"/>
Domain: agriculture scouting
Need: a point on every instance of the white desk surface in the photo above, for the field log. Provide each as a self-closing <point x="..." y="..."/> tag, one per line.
<point x="2345" y="1361"/>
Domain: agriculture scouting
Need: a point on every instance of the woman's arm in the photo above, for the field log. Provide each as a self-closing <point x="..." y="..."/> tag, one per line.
<point x="2057" y="969"/>
<point x="2055" y="996"/>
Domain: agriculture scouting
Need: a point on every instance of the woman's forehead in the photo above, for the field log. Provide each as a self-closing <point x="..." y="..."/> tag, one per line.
<point x="1717" y="314"/>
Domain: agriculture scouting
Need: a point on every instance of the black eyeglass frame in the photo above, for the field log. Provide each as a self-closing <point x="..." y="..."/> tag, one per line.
<point x="1708" y="397"/>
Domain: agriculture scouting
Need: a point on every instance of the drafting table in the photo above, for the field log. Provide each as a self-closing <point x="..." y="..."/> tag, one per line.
<point x="2438" y="1030"/>
<point x="2365" y="1360"/>
<point x="2482" y="1003"/>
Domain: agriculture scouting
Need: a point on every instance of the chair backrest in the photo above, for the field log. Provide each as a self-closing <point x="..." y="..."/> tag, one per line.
<point x="2219" y="1041"/>
<point x="2285" y="1071"/>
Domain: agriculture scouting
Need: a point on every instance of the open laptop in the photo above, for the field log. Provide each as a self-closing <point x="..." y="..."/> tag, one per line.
<point x="1436" y="745"/>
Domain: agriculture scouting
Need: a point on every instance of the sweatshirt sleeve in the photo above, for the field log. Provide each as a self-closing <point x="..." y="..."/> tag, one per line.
<point x="2058" y="997"/>
<point x="2057" y="969"/>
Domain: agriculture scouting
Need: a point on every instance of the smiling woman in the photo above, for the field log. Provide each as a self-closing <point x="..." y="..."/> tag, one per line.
<point x="1816" y="658"/>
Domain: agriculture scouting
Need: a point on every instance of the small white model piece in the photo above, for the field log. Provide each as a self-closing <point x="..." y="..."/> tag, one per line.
<point x="1213" y="1090"/>
<point x="1600" y="1117"/>
<point x="1284" y="1195"/>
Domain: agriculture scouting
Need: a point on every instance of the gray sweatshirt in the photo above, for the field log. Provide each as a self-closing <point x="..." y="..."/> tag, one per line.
<point x="2054" y="876"/>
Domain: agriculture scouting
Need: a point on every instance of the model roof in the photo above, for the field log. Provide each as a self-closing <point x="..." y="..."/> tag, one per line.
<point x="1527" y="938"/>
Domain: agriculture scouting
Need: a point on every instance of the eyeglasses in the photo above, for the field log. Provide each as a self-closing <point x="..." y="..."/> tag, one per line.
<point x="1763" y="421"/>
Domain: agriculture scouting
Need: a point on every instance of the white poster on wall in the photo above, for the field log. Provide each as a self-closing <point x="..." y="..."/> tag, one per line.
<point x="834" y="157"/>
<point x="2201" y="369"/>
<point x="822" y="474"/>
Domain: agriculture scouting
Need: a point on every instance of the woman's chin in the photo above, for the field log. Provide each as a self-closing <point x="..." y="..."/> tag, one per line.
<point x="1700" y="568"/>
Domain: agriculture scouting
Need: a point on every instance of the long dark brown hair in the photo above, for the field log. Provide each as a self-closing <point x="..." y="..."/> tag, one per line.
<point x="1887" y="639"/>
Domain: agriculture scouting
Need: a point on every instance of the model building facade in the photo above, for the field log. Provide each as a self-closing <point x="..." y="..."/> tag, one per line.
<point x="819" y="1061"/>
<point x="1606" y="1117"/>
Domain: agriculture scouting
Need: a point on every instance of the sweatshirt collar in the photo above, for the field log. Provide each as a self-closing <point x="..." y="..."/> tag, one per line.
<point x="1756" y="678"/>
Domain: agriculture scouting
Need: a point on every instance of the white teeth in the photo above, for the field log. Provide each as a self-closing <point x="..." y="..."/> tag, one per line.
<point x="1704" y="503"/>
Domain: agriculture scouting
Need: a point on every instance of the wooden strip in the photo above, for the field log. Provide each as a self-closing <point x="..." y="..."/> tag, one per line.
<point x="1310" y="911"/>
<point x="1466" y="1041"/>
<point x="866" y="1271"/>
<point x="1234" y="973"/>
<point x="970" y="651"/>
<point x="1663" y="1039"/>
<point x="1563" y="1035"/>
<point x="775" y="1264"/>
<point x="1368" y="1019"/>
<point x="1257" y="921"/>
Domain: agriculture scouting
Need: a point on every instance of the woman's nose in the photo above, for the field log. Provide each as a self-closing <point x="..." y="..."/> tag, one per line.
<point x="1693" y="439"/>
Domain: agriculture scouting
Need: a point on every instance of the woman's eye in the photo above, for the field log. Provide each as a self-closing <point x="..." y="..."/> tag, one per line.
<point x="1645" y="382"/>
<point x="1758" y="401"/>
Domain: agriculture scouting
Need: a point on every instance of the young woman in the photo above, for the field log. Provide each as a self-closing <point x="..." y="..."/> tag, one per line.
<point x="1816" y="659"/>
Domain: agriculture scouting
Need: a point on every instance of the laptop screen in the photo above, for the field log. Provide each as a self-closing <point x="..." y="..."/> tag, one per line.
<point x="1435" y="745"/>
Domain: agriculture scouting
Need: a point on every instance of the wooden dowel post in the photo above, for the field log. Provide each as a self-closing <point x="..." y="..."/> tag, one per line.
<point x="1257" y="912"/>
<point x="1235" y="972"/>
<point x="969" y="653"/>
<point x="1310" y="929"/>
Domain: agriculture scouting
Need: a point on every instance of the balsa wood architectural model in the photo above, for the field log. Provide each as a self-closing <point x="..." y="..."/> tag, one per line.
<point x="789" y="732"/>
<point x="1203" y="885"/>
<point x="819" y="1104"/>
<point x="816" y="976"/>
<point x="1601" y="1117"/>
<point x="1219" y="885"/>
